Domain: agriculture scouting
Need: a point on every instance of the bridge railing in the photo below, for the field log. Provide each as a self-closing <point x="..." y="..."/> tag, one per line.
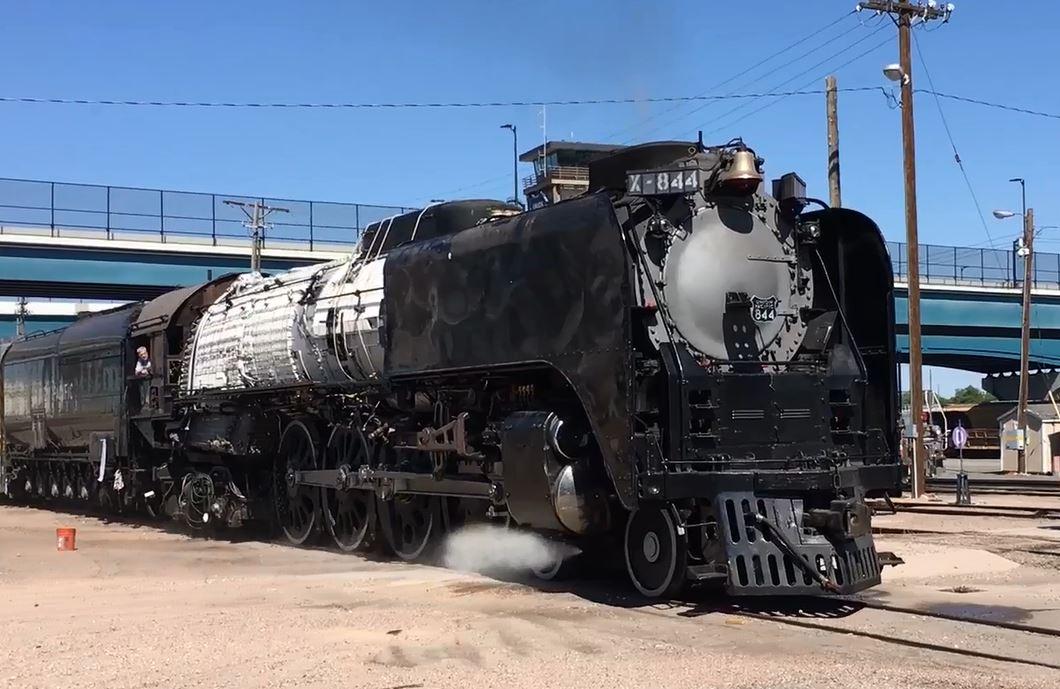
<point x="958" y="265"/>
<point x="89" y="210"/>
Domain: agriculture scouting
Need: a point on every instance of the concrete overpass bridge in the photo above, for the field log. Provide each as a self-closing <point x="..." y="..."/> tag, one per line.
<point x="66" y="248"/>
<point x="971" y="308"/>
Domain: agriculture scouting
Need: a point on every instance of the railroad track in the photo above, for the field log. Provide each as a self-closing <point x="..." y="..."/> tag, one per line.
<point x="830" y="615"/>
<point x="819" y="622"/>
<point x="1016" y="486"/>
<point x="949" y="508"/>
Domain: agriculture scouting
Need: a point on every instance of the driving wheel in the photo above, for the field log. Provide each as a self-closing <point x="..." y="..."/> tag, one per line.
<point x="411" y="524"/>
<point x="349" y="515"/>
<point x="297" y="505"/>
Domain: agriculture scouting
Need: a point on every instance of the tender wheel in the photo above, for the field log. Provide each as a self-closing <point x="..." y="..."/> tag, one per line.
<point x="412" y="524"/>
<point x="656" y="554"/>
<point x="349" y="515"/>
<point x="297" y="506"/>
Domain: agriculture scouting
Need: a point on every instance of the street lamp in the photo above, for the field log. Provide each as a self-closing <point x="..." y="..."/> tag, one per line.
<point x="1024" y="249"/>
<point x="1023" y="192"/>
<point x="515" y="161"/>
<point x="894" y="72"/>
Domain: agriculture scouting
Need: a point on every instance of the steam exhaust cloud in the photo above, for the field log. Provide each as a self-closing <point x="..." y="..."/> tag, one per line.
<point x="483" y="548"/>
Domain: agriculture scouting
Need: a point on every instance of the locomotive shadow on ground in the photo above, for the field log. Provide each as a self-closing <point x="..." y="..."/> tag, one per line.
<point x="957" y="608"/>
<point x="610" y="589"/>
<point x="612" y="592"/>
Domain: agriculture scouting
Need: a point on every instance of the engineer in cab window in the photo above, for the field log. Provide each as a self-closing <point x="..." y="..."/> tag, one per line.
<point x="143" y="363"/>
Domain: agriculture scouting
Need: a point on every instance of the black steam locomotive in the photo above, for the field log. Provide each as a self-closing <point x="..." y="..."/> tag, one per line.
<point x="676" y="367"/>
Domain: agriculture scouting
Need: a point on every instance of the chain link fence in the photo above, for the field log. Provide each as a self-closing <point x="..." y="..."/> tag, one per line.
<point x="60" y="209"/>
<point x="955" y="265"/>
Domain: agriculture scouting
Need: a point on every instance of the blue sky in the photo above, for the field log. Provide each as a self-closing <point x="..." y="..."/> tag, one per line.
<point x="472" y="51"/>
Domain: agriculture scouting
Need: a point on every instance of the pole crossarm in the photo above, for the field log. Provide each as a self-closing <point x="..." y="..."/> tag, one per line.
<point x="903" y="7"/>
<point x="256" y="224"/>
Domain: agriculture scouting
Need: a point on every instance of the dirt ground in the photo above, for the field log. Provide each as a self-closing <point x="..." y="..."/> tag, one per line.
<point x="141" y="606"/>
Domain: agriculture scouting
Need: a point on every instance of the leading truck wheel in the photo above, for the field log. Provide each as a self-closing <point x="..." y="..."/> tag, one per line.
<point x="297" y="505"/>
<point x="656" y="552"/>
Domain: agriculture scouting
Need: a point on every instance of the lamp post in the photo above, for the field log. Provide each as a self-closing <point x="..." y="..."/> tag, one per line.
<point x="1000" y="215"/>
<point x="1027" y="251"/>
<point x="515" y="161"/>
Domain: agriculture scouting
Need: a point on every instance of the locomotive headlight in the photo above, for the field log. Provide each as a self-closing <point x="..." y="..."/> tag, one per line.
<point x="809" y="230"/>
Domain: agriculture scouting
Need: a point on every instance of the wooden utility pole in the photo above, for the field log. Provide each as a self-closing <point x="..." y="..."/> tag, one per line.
<point x="256" y="224"/>
<point x="831" y="103"/>
<point x="1025" y="337"/>
<point x="903" y="12"/>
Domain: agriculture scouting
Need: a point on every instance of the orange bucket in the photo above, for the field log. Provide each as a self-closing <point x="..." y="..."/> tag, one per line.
<point x="66" y="539"/>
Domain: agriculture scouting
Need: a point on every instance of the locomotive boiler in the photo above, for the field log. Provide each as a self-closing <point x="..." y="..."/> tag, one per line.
<point x="676" y="368"/>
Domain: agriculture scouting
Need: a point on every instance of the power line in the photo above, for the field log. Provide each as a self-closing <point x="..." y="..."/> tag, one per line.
<point x="746" y="71"/>
<point x="496" y="104"/>
<point x="368" y="106"/>
<point x="1000" y="106"/>
<point x="476" y="185"/>
<point x="953" y="145"/>
<point x="678" y="105"/>
<point x="802" y="74"/>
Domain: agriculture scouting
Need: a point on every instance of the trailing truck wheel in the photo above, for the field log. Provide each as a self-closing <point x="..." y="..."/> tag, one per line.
<point x="297" y="506"/>
<point x="349" y="515"/>
<point x="656" y="554"/>
<point x="412" y="525"/>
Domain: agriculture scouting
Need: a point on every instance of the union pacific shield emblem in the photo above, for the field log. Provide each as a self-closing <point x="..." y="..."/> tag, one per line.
<point x="764" y="310"/>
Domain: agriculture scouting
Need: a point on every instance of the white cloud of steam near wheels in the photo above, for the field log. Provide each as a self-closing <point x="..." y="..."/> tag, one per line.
<point x="483" y="548"/>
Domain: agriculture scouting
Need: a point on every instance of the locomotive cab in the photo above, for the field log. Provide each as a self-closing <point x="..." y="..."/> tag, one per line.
<point x="163" y="328"/>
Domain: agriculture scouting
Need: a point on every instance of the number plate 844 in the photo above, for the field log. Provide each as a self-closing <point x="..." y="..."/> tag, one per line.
<point x="654" y="182"/>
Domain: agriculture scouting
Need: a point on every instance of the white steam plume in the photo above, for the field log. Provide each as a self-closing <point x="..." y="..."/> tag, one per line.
<point x="483" y="548"/>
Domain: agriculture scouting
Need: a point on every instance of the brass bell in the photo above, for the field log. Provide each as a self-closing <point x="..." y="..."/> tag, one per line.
<point x="742" y="175"/>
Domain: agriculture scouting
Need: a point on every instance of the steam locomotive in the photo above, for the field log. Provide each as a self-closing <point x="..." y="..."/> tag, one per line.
<point x="675" y="368"/>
